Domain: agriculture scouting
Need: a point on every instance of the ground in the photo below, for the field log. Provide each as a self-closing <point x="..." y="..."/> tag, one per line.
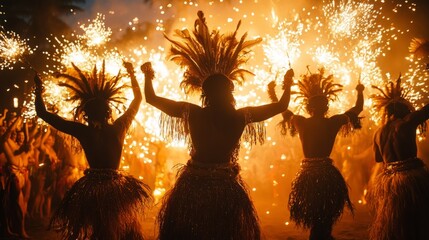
<point x="349" y="227"/>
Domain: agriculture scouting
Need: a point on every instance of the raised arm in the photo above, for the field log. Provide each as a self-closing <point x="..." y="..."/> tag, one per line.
<point x="359" y="101"/>
<point x="3" y="116"/>
<point x="9" y="130"/>
<point x="57" y="122"/>
<point x="263" y="112"/>
<point x="352" y="114"/>
<point x="418" y="117"/>
<point x="5" y="138"/>
<point x="170" y="107"/>
<point x="133" y="108"/>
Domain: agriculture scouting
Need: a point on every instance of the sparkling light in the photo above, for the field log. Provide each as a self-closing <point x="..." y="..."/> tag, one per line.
<point x="12" y="49"/>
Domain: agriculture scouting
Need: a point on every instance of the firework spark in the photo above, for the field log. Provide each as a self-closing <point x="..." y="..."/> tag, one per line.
<point x="12" y="49"/>
<point x="96" y="33"/>
<point x="346" y="37"/>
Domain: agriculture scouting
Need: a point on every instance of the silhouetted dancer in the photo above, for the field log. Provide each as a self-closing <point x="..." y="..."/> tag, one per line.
<point x="105" y="203"/>
<point x="399" y="196"/>
<point x="319" y="191"/>
<point x="209" y="199"/>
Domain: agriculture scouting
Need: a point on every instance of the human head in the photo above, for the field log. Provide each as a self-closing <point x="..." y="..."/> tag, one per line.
<point x="50" y="140"/>
<point x="97" y="110"/>
<point x="94" y="91"/>
<point x="217" y="90"/>
<point x="316" y="91"/>
<point x="317" y="105"/>
<point x="20" y="137"/>
<point x="392" y="100"/>
<point x="398" y="109"/>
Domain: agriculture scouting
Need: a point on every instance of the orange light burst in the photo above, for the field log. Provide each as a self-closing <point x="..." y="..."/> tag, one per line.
<point x="89" y="49"/>
<point x="282" y="50"/>
<point x="96" y="33"/>
<point x="346" y="38"/>
<point x="416" y="77"/>
<point x="12" y="49"/>
<point x="347" y="18"/>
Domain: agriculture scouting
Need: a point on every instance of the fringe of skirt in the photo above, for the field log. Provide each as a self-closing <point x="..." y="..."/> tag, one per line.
<point x="319" y="194"/>
<point x="210" y="203"/>
<point x="399" y="200"/>
<point x="103" y="204"/>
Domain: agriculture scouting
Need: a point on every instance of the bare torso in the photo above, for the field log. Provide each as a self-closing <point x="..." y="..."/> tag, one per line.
<point x="215" y="134"/>
<point x="396" y="140"/>
<point x="317" y="134"/>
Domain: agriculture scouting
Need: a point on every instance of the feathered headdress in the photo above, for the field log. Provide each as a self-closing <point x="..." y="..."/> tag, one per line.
<point x="392" y="93"/>
<point x="87" y="87"/>
<point x="419" y="47"/>
<point x="205" y="53"/>
<point x="316" y="85"/>
<point x="312" y="86"/>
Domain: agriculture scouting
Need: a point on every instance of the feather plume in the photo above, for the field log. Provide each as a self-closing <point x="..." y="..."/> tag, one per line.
<point x="391" y="92"/>
<point x="419" y="47"/>
<point x="206" y="52"/>
<point x="272" y="91"/>
<point x="394" y="93"/>
<point x="312" y="85"/>
<point x="94" y="85"/>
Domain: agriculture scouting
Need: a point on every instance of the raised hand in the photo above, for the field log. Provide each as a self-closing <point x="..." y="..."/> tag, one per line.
<point x="38" y="82"/>
<point x="288" y="78"/>
<point x="147" y="69"/>
<point x="129" y="66"/>
<point x="360" y="87"/>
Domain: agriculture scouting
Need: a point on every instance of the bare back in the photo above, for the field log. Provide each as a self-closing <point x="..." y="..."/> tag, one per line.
<point x="102" y="147"/>
<point x="317" y="134"/>
<point x="396" y="140"/>
<point x="215" y="134"/>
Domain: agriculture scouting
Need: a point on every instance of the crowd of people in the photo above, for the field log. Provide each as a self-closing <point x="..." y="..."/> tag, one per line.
<point x="36" y="169"/>
<point x="209" y="199"/>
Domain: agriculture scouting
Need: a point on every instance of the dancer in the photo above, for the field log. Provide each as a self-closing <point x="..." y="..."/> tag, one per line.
<point x="209" y="199"/>
<point x="399" y="195"/>
<point x="319" y="192"/>
<point x="105" y="203"/>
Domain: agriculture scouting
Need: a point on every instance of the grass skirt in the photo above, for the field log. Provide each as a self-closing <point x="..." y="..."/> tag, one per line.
<point x="399" y="199"/>
<point x="318" y="195"/>
<point x="103" y="204"/>
<point x="208" y="202"/>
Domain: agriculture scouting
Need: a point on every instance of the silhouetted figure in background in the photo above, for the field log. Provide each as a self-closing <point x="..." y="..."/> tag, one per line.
<point x="105" y="203"/>
<point x="319" y="191"/>
<point x="209" y="199"/>
<point x="399" y="196"/>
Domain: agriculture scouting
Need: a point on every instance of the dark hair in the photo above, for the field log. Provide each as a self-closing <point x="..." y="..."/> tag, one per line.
<point x="217" y="88"/>
<point x="317" y="103"/>
<point x="97" y="110"/>
<point x="398" y="109"/>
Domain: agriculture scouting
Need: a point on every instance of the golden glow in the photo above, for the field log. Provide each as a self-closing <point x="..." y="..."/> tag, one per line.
<point x="344" y="37"/>
<point x="12" y="49"/>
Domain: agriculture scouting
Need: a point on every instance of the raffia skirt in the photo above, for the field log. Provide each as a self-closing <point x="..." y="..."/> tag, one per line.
<point x="104" y="204"/>
<point x="318" y="195"/>
<point x="399" y="200"/>
<point x="208" y="202"/>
